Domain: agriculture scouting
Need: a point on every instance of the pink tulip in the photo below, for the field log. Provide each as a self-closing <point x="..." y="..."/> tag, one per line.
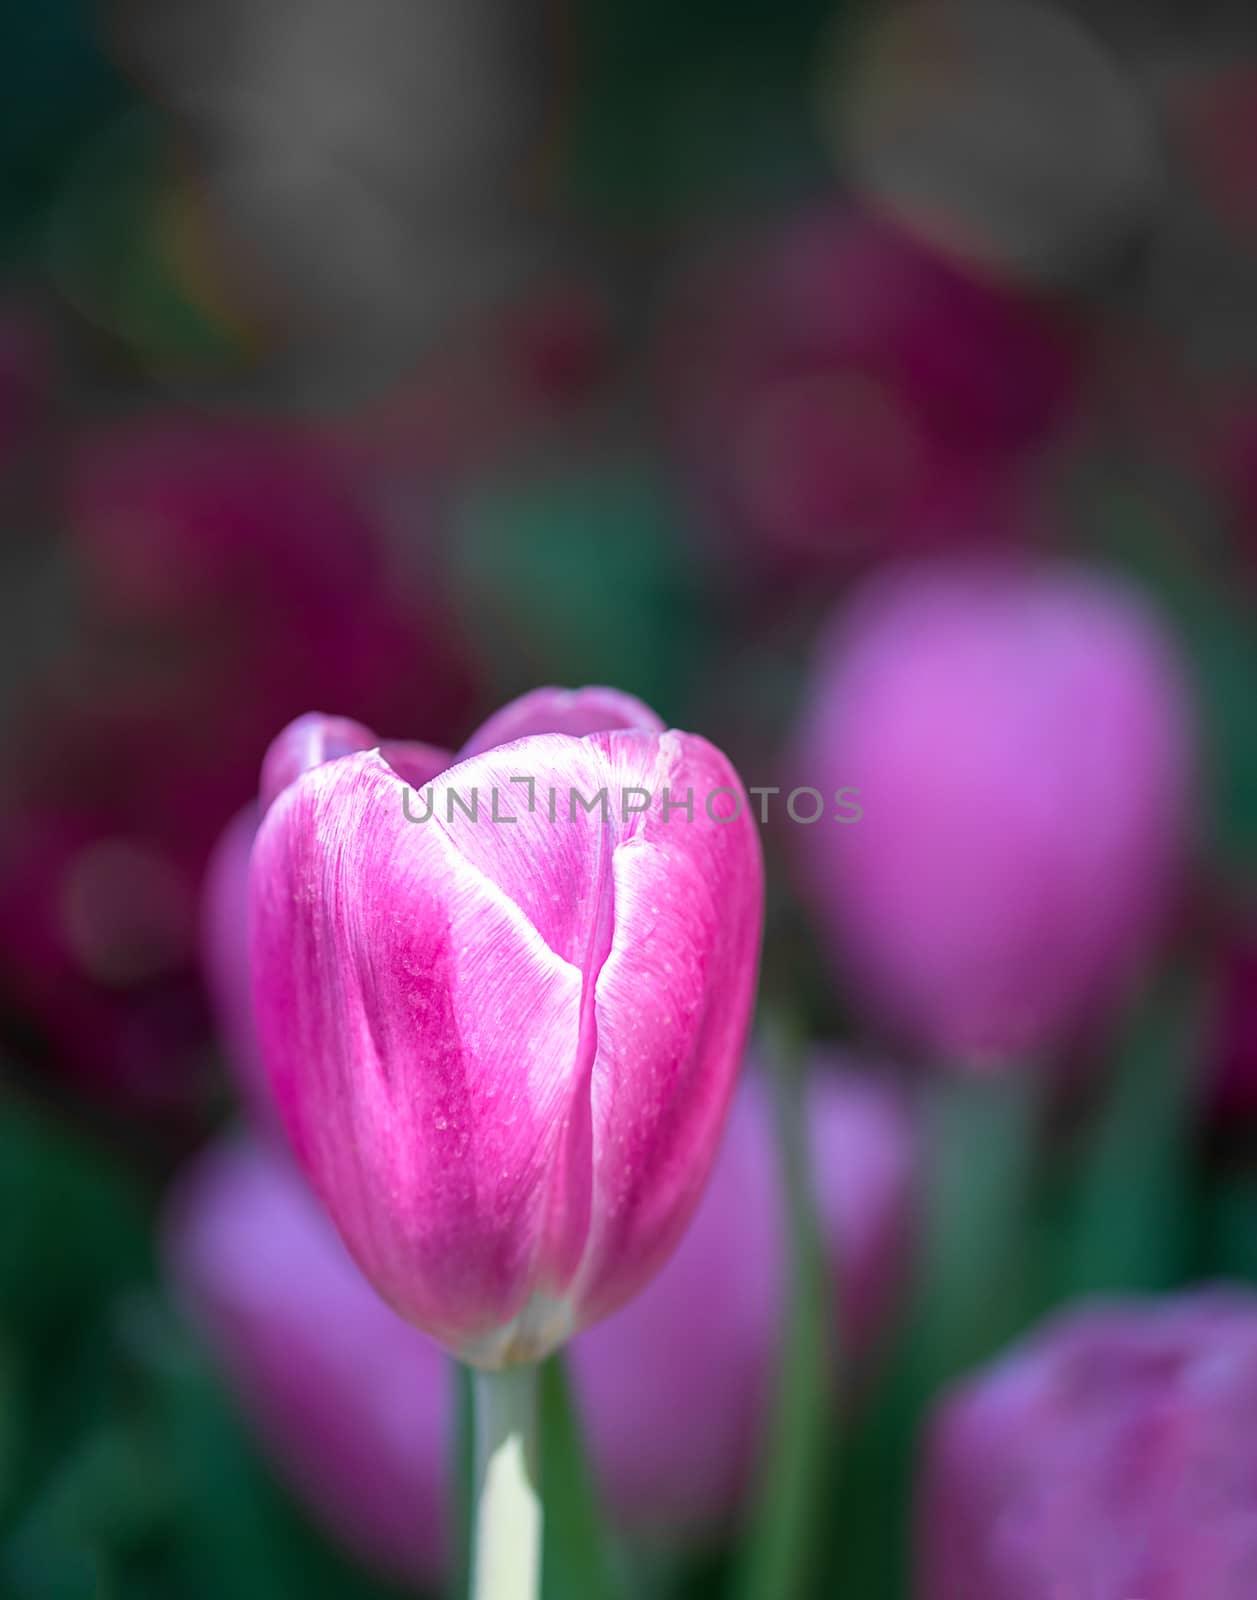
<point x="1109" y="1457"/>
<point x="843" y="393"/>
<point x="354" y="1403"/>
<point x="503" y="1039"/>
<point x="308" y="742"/>
<point x="1021" y="743"/>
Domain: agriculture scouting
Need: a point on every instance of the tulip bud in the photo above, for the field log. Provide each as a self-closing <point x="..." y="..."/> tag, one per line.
<point x="1108" y="1456"/>
<point x="308" y="742"/>
<point x="316" y="1359"/>
<point x="1021" y="746"/>
<point x="502" y="1019"/>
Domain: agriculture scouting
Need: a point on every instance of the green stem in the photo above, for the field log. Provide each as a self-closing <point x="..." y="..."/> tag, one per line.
<point x="506" y="1555"/>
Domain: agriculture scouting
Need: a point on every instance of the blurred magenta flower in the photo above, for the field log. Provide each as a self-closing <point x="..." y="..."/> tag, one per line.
<point x="355" y="1404"/>
<point x="227" y="576"/>
<point x="240" y="576"/>
<point x="1109" y="1457"/>
<point x="842" y="393"/>
<point x="503" y="1027"/>
<point x="1021" y="743"/>
<point x="97" y="938"/>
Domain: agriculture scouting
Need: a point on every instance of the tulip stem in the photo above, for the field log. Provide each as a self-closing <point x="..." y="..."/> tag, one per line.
<point x="506" y="1554"/>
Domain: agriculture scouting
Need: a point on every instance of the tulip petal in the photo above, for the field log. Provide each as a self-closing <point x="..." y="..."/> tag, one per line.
<point x="310" y="740"/>
<point x="674" y="1000"/>
<point x="593" y="709"/>
<point x="416" y="1028"/>
<point x="306" y="742"/>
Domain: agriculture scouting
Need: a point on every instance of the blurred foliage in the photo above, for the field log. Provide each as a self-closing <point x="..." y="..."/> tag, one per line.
<point x="122" y="1469"/>
<point x="56" y="88"/>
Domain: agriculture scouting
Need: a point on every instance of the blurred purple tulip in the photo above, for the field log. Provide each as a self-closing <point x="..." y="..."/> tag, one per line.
<point x="356" y="1407"/>
<point x="674" y="1399"/>
<point x="503" y="1043"/>
<point x="1021" y="744"/>
<point x="843" y="393"/>
<point x="354" y="1403"/>
<point x="1108" y="1457"/>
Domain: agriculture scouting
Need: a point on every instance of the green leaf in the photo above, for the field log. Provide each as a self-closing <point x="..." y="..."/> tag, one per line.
<point x="1130" y="1216"/>
<point x="1217" y="624"/>
<point x="464" y="1479"/>
<point x="971" y="1295"/>
<point x="579" y="1558"/>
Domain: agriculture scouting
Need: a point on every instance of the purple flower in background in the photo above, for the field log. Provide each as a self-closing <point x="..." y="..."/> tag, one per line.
<point x="842" y="394"/>
<point x="355" y="1404"/>
<point x="1108" y="1457"/>
<point x="1022" y="743"/>
<point x="503" y="1049"/>
<point x="674" y="1397"/>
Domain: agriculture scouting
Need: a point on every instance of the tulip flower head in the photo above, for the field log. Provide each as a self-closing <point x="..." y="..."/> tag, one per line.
<point x="502" y="1018"/>
<point x="1109" y="1455"/>
<point x="1022" y="744"/>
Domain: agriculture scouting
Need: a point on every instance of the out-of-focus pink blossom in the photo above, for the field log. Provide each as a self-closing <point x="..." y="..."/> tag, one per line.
<point x="234" y="577"/>
<point x="1108" y="1457"/>
<point x="1021" y="744"/>
<point x="503" y="1040"/>
<point x="97" y="936"/>
<point x="672" y="1389"/>
<point x="842" y="393"/>
<point x="355" y="1406"/>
